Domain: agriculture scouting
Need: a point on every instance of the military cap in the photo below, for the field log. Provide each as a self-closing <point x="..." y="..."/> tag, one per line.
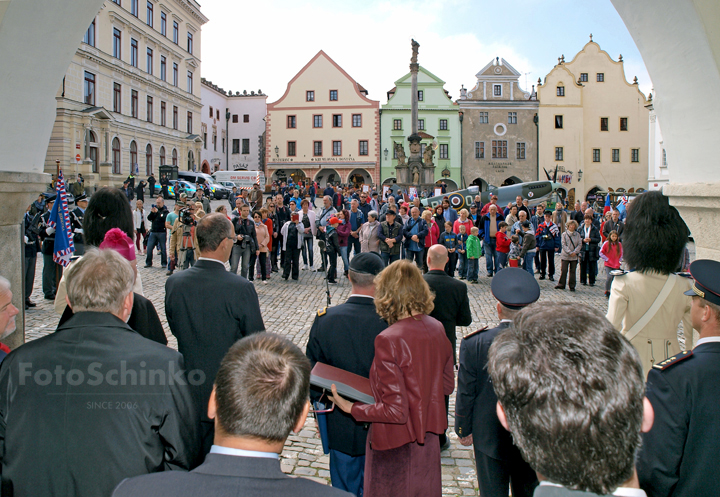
<point x="367" y="263"/>
<point x="706" y="274"/>
<point x="80" y="198"/>
<point x="515" y="288"/>
<point x="49" y="196"/>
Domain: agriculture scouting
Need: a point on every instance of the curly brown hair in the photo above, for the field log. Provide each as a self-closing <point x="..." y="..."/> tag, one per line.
<point x="400" y="291"/>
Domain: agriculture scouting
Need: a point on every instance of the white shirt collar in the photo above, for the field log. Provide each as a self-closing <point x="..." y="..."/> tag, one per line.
<point x="506" y="320"/>
<point x="620" y="491"/>
<point x="707" y="340"/>
<point x="209" y="259"/>
<point x="358" y="295"/>
<point x="227" y="451"/>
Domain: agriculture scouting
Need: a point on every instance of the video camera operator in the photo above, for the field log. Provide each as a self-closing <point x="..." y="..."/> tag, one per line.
<point x="183" y="240"/>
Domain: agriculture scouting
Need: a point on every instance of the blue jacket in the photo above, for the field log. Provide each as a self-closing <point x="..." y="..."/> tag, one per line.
<point x="548" y="237"/>
<point x="450" y="215"/>
<point x="484" y="226"/>
<point x="448" y="239"/>
<point x="422" y="232"/>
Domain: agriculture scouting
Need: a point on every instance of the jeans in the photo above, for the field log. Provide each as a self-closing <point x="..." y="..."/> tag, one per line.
<point x="491" y="258"/>
<point x="186" y="258"/>
<point x="30" y="263"/>
<point x="610" y="278"/>
<point x="547" y="258"/>
<point x="238" y="254"/>
<point x="415" y="256"/>
<point x="353" y="243"/>
<point x="587" y="268"/>
<point x="332" y="265"/>
<point x="347" y="472"/>
<point x="307" y="249"/>
<point x="502" y="258"/>
<point x="473" y="267"/>
<point x="344" y="256"/>
<point x="389" y="259"/>
<point x="156" y="239"/>
<point x="462" y="271"/>
<point x="529" y="257"/>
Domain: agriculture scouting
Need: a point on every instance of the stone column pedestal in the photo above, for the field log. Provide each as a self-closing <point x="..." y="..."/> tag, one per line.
<point x="699" y="206"/>
<point x="18" y="190"/>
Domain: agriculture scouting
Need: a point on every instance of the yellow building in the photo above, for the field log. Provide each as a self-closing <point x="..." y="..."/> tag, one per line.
<point x="131" y="96"/>
<point x="593" y="125"/>
<point x="324" y="128"/>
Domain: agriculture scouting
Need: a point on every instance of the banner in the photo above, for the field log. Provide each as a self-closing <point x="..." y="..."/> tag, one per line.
<point x="60" y="220"/>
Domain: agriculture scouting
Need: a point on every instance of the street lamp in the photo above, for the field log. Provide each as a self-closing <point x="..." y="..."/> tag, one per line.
<point x="386" y="153"/>
<point x="579" y="174"/>
<point x="277" y="151"/>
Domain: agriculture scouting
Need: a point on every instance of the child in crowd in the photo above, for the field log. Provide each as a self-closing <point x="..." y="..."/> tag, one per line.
<point x="611" y="252"/>
<point x="449" y="239"/>
<point x="473" y="253"/>
<point x="502" y="244"/>
<point x="461" y="250"/>
<point x="515" y="247"/>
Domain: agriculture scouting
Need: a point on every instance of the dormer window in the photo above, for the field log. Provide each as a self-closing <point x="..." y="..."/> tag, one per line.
<point x="560" y="91"/>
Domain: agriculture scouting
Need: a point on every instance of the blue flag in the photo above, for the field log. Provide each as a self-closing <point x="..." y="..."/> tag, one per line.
<point x="60" y="220"/>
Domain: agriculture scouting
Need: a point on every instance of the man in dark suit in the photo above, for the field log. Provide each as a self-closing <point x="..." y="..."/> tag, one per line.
<point x="208" y="309"/>
<point x="76" y="221"/>
<point x="685" y="395"/>
<point x="253" y="418"/>
<point x="344" y="337"/>
<point x="452" y="306"/>
<point x="93" y="403"/>
<point x="498" y="460"/>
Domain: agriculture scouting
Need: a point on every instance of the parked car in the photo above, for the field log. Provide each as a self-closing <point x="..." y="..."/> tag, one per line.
<point x="182" y="186"/>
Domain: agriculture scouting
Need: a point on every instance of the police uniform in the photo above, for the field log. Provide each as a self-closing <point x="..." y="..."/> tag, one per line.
<point x="76" y="220"/>
<point x="678" y="455"/>
<point x="498" y="461"/>
<point x="344" y="336"/>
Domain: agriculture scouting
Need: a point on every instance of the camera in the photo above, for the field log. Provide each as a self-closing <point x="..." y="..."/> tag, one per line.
<point x="187" y="218"/>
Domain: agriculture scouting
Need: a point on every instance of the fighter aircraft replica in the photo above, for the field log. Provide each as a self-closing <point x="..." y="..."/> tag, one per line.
<point x="534" y="191"/>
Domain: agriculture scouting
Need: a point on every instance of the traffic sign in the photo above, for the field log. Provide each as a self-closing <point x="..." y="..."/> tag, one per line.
<point x="77" y="157"/>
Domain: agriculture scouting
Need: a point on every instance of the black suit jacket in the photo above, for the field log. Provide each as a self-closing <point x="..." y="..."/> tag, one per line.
<point x="227" y="476"/>
<point x="208" y="310"/>
<point x="676" y="457"/>
<point x="344" y="337"/>
<point x="452" y="306"/>
<point x="130" y="413"/>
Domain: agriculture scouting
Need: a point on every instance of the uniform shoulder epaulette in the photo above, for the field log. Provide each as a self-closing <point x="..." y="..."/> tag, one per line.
<point x="662" y="366"/>
<point x="475" y="332"/>
<point x="322" y="312"/>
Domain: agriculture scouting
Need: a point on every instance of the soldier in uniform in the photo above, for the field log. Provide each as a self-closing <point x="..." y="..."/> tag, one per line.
<point x="676" y="456"/>
<point x="76" y="220"/>
<point x="498" y="460"/>
<point x="52" y="271"/>
<point x="344" y="337"/>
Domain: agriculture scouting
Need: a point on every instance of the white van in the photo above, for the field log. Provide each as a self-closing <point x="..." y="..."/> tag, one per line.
<point x="244" y="180"/>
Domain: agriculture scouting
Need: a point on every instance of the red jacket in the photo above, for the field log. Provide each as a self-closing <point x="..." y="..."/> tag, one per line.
<point x="502" y="242"/>
<point x="410" y="375"/>
<point x="433" y="234"/>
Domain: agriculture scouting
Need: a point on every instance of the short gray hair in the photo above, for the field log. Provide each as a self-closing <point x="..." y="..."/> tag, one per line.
<point x="99" y="281"/>
<point x="212" y="230"/>
<point x="373" y="214"/>
<point x="4" y="285"/>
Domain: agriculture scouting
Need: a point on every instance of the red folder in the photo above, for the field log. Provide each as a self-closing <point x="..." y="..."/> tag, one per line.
<point x="349" y="385"/>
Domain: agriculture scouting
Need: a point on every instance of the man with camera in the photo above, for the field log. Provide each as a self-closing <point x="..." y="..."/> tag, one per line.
<point x="246" y="242"/>
<point x="183" y="240"/>
<point x="321" y="223"/>
<point x="158" y="215"/>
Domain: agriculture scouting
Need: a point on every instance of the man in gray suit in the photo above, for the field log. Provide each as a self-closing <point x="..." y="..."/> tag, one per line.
<point x="260" y="395"/>
<point x="570" y="389"/>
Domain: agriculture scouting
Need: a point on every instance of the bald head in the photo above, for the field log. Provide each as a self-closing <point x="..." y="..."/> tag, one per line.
<point x="437" y="257"/>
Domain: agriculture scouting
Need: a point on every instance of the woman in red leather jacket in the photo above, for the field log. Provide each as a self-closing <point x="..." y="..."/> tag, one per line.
<point x="410" y="375"/>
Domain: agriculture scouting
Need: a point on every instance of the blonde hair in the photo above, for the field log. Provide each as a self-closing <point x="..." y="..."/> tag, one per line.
<point x="400" y="291"/>
<point x="426" y="215"/>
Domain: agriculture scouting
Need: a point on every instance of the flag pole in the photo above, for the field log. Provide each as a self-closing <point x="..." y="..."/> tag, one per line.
<point x="57" y="266"/>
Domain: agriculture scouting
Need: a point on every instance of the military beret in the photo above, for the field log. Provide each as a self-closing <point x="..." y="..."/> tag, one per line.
<point x="367" y="263"/>
<point x="706" y="274"/>
<point x="515" y="288"/>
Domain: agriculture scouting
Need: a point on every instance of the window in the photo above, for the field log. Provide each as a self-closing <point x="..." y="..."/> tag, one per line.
<point x="310" y="96"/>
<point x="189" y="42"/>
<point x="363" y="148"/>
<point x="89" y="37"/>
<point x="291" y="149"/>
<point x="596" y="155"/>
<point x="623" y="124"/>
<point x="337" y="120"/>
<point x="603" y="124"/>
<point x="190" y="82"/>
<point x="117" y="45"/>
<point x="163" y="68"/>
<point x="635" y="155"/>
<point x="520" y="150"/>
<point x="246" y="118"/>
<point x="337" y="148"/>
<point x="512" y="117"/>
<point x="148" y="159"/>
<point x="317" y="121"/>
<point x="558" y="122"/>
<point x="236" y="146"/>
<point x="162" y="155"/>
<point x="174" y="157"/>
<point x="616" y="155"/>
<point x="176" y="32"/>
<point x="149" y="19"/>
<point x="600" y="77"/>
<point x="443" y="151"/>
<point x="133" y="52"/>
<point x="175" y="117"/>
<point x="443" y="124"/>
<point x="211" y="112"/>
<point x="149" y="61"/>
<point x="245" y="146"/>
<point x="223" y="145"/>
<point x="133" y="156"/>
<point x="333" y="95"/>
<point x="395" y="153"/>
<point x="134" y="103"/>
<point x="421" y="95"/>
<point x="163" y="23"/>
<point x="116" y="156"/>
<point x="558" y="153"/>
<point x="357" y="120"/>
<point x="117" y="97"/>
<point x="217" y="113"/>
<point x="163" y="119"/>
<point x="89" y="88"/>
<point x="497" y="90"/>
<point x="149" y="109"/>
<point x="317" y="149"/>
<point x="189" y="122"/>
<point x="214" y="142"/>
<point x="175" y="74"/>
<point x="583" y="77"/>
<point x="479" y="150"/>
<point x="116" y="1"/>
<point x="483" y="118"/>
<point x="421" y="124"/>
<point x="664" y="158"/>
<point x="134" y="7"/>
<point x="499" y="149"/>
<point x="292" y="121"/>
<point x="397" y="124"/>
<point x="235" y="118"/>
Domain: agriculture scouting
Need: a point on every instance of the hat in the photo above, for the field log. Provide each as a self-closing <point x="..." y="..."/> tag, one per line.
<point x="707" y="280"/>
<point x="117" y="240"/>
<point x="80" y="198"/>
<point x="515" y="288"/>
<point x="334" y="220"/>
<point x="390" y="211"/>
<point x="367" y="263"/>
<point x="526" y="224"/>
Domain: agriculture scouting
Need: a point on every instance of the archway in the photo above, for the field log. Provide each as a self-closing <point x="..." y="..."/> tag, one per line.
<point x="325" y="176"/>
<point x="451" y="185"/>
<point x="592" y="194"/>
<point x="359" y="177"/>
<point x="205" y="167"/>
<point x="512" y="180"/>
<point x="480" y="183"/>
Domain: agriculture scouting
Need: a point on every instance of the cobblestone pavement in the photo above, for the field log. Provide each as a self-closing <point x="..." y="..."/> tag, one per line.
<point x="288" y="308"/>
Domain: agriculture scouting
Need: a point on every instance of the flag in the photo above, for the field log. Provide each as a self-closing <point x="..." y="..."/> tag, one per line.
<point x="60" y="220"/>
<point x="608" y="205"/>
<point x="622" y="204"/>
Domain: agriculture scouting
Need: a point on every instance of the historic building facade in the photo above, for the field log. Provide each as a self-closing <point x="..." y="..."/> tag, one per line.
<point x="658" y="173"/>
<point x="499" y="131"/>
<point x="593" y="125"/>
<point x="130" y="99"/>
<point x="239" y="116"/>
<point x="438" y="122"/>
<point x="323" y="128"/>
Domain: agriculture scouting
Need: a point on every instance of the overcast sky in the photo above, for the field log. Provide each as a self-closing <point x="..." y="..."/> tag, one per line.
<point x="262" y="44"/>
